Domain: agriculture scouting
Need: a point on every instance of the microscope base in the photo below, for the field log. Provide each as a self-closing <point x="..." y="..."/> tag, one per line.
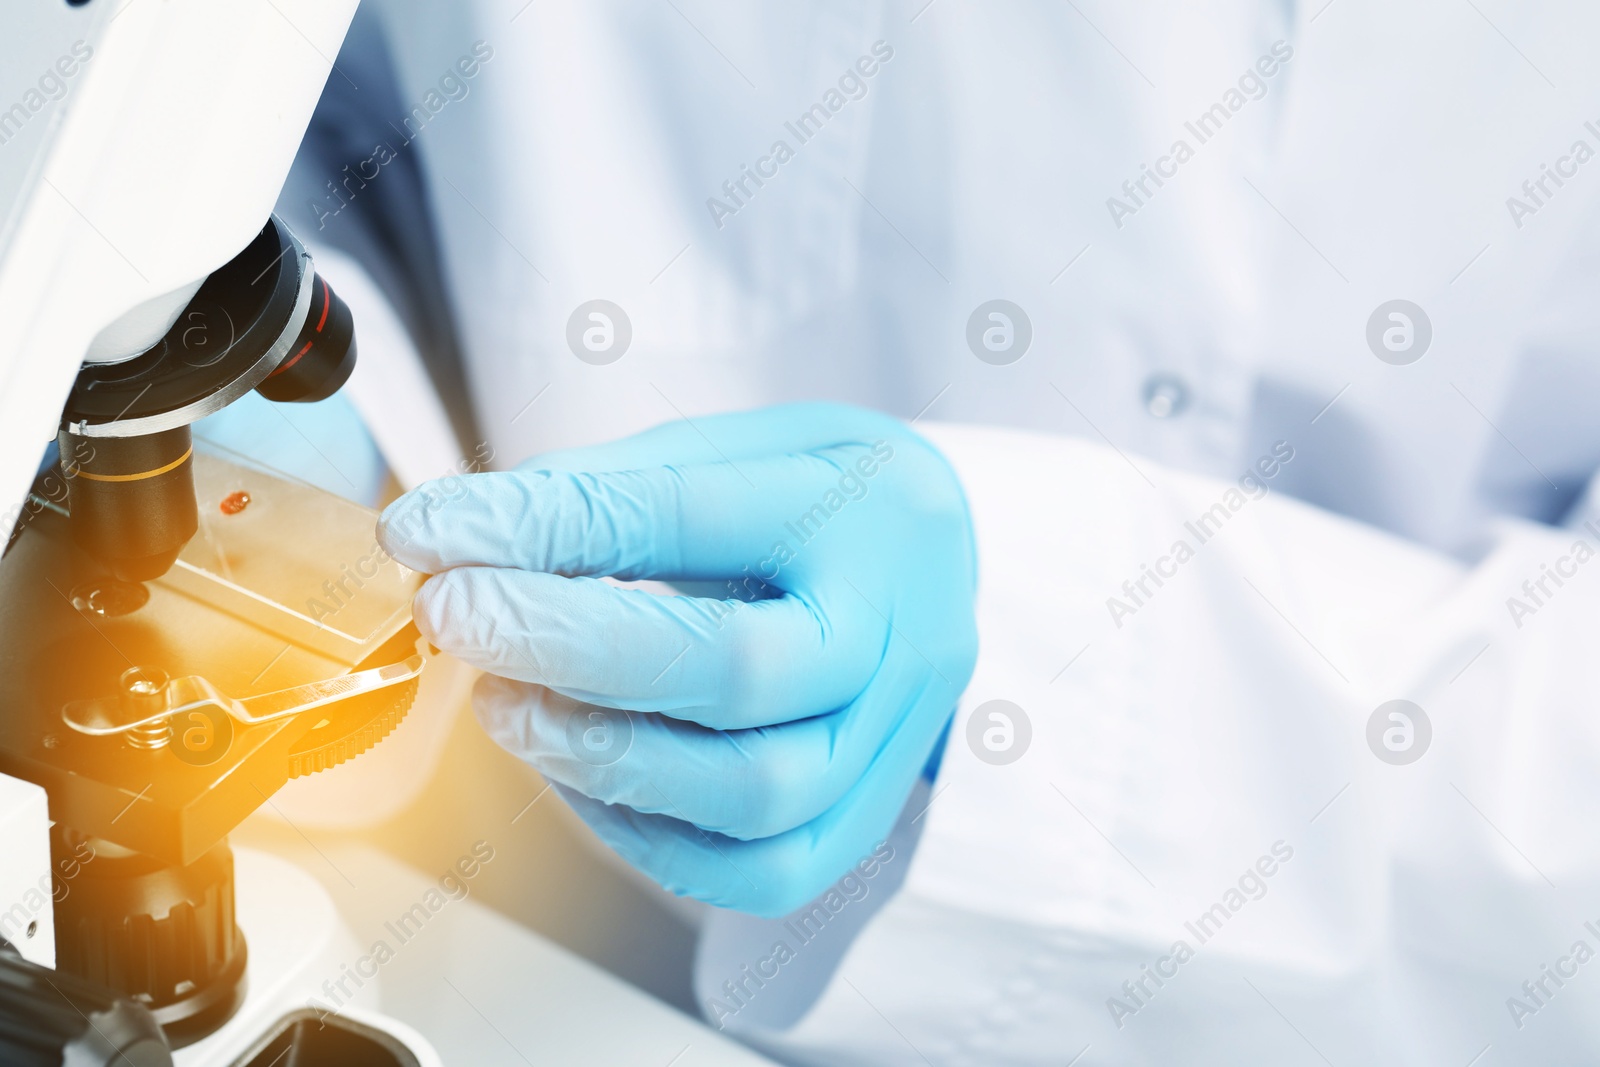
<point x="298" y="941"/>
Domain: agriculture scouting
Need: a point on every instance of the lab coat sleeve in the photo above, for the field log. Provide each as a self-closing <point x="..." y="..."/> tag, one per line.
<point x="1199" y="663"/>
<point x="390" y="386"/>
<point x="358" y="198"/>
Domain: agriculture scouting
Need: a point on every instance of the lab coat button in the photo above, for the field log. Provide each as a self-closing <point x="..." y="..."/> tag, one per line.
<point x="1165" y="395"/>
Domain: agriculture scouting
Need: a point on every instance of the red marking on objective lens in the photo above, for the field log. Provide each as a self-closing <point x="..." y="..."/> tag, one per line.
<point x="325" y="303"/>
<point x="291" y="362"/>
<point x="235" y="502"/>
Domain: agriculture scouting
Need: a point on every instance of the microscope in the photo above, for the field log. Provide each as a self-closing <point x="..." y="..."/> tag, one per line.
<point x="166" y="664"/>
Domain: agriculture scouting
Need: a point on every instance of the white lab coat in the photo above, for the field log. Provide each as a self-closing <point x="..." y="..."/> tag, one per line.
<point x="1182" y="738"/>
<point x="1223" y="722"/>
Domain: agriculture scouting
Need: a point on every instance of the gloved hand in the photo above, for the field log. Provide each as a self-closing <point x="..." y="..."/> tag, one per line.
<point x="770" y="733"/>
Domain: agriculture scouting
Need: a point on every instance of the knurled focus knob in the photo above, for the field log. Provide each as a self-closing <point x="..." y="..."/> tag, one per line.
<point x="162" y="936"/>
<point x="51" y="1019"/>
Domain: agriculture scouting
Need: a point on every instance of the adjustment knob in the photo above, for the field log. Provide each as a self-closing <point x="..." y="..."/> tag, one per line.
<point x="51" y="1019"/>
<point x="162" y="936"/>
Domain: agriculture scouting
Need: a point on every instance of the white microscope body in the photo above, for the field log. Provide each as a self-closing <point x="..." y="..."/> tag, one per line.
<point x="143" y="144"/>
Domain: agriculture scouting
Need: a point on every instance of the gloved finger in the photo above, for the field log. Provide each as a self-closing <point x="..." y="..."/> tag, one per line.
<point x="727" y="437"/>
<point x="745" y="784"/>
<point x="773" y="875"/>
<point x="724" y="664"/>
<point x="704" y="521"/>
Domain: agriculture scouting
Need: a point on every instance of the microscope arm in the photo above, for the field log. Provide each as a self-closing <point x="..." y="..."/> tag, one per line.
<point x="158" y="164"/>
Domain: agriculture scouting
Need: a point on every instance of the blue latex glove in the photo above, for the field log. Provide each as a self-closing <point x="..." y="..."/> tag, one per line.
<point x="772" y="730"/>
